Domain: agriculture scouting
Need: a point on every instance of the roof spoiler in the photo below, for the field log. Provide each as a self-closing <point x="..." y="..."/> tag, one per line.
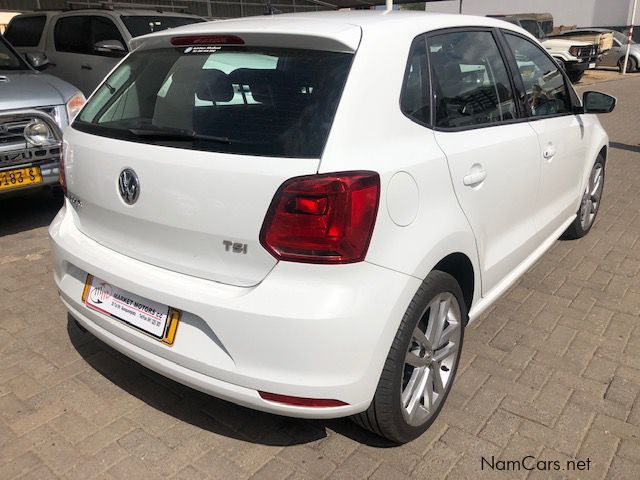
<point x="343" y="38"/>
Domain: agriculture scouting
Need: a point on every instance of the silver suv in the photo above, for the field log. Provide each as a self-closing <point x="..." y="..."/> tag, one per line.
<point x="35" y="108"/>
<point x="82" y="46"/>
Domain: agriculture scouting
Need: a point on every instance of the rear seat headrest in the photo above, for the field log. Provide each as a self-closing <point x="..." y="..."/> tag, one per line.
<point x="266" y="86"/>
<point x="215" y="86"/>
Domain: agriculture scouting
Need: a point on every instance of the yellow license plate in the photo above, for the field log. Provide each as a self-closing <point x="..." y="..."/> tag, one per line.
<point x="19" y="177"/>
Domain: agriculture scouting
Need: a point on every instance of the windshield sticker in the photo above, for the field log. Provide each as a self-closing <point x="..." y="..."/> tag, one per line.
<point x="202" y="49"/>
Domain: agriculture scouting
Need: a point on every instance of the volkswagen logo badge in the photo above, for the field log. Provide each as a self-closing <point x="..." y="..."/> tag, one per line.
<point x="129" y="186"/>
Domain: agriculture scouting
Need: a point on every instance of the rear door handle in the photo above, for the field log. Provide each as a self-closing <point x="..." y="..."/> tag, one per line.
<point x="86" y="67"/>
<point x="474" y="178"/>
<point x="549" y="152"/>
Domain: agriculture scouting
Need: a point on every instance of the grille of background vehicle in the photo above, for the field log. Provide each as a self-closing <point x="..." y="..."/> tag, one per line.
<point x="589" y="52"/>
<point x="13" y="145"/>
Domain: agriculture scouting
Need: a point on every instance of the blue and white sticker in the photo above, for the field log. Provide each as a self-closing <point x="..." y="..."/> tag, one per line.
<point x="202" y="49"/>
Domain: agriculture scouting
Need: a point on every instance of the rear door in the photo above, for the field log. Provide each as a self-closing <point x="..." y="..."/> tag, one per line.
<point x="205" y="134"/>
<point x="560" y="132"/>
<point x="71" y="52"/>
<point x="493" y="155"/>
<point x="611" y="57"/>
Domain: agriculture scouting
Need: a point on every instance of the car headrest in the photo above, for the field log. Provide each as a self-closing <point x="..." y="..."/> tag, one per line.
<point x="214" y="86"/>
<point x="266" y="86"/>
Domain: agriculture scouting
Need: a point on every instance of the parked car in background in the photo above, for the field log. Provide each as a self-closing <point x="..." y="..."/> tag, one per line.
<point x="604" y="39"/>
<point x="574" y="56"/>
<point x="34" y="109"/>
<point x="301" y="214"/>
<point x="81" y="46"/>
<point x="615" y="56"/>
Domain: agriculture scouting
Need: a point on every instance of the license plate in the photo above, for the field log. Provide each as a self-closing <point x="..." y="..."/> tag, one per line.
<point x="592" y="65"/>
<point x="19" y="177"/>
<point x="158" y="320"/>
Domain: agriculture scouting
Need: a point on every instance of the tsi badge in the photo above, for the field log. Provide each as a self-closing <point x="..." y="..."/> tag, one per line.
<point x="129" y="186"/>
<point x="234" y="247"/>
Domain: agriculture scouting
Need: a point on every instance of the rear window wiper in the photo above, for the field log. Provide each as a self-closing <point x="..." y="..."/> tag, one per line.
<point x="176" y="134"/>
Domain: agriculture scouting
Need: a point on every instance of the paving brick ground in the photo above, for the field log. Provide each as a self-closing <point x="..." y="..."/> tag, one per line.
<point x="551" y="372"/>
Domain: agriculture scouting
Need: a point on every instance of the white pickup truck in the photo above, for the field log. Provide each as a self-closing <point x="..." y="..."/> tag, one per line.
<point x="574" y="55"/>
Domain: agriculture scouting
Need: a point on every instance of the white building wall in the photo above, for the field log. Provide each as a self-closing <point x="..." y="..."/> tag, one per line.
<point x="583" y="13"/>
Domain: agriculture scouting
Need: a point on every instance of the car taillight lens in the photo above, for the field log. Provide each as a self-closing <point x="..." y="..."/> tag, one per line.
<point x="61" y="176"/>
<point x="326" y="218"/>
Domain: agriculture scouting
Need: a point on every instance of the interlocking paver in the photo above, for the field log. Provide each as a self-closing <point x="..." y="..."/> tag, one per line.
<point x="552" y="370"/>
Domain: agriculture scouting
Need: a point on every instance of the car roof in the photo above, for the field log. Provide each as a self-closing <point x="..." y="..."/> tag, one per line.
<point x="369" y="19"/>
<point x="333" y="24"/>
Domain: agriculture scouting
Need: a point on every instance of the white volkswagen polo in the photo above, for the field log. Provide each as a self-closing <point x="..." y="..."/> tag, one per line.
<point x="301" y="213"/>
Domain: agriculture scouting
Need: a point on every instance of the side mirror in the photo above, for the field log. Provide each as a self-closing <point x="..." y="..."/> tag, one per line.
<point x="110" y="48"/>
<point x="596" y="102"/>
<point x="37" y="60"/>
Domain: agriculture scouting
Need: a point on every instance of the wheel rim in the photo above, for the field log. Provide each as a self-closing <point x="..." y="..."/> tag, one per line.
<point x="630" y="64"/>
<point x="591" y="197"/>
<point x="431" y="359"/>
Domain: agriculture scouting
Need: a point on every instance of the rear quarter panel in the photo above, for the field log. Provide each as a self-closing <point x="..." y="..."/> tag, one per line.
<point x="371" y="133"/>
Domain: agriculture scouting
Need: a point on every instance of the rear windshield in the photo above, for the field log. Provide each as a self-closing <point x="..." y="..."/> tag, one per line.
<point x="532" y="27"/>
<point x="143" y="24"/>
<point x="245" y="100"/>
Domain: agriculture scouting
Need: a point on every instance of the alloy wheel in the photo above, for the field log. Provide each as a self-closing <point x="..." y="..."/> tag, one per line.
<point x="431" y="359"/>
<point x="591" y="197"/>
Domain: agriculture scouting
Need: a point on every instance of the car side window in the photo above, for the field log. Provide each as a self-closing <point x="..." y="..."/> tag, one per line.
<point x="72" y="34"/>
<point x="25" y="31"/>
<point x="103" y="29"/>
<point x="470" y="80"/>
<point x="544" y="84"/>
<point x="79" y="33"/>
<point x="414" y="100"/>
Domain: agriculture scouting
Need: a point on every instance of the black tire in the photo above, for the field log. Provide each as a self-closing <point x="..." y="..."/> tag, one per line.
<point x="632" y="64"/>
<point x="578" y="229"/>
<point x="385" y="415"/>
<point x="575" y="75"/>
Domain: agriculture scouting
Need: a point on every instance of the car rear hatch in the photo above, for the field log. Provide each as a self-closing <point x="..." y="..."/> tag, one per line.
<point x="175" y="159"/>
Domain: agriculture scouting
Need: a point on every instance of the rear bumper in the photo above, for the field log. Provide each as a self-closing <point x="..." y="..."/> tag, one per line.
<point x="314" y="331"/>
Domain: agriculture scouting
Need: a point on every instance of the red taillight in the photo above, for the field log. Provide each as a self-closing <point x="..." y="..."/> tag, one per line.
<point x="61" y="176"/>
<point x="301" y="401"/>
<point x="325" y="218"/>
<point x="206" y="40"/>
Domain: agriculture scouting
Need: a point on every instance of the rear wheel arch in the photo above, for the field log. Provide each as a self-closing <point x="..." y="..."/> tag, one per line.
<point x="460" y="267"/>
<point x="603" y="152"/>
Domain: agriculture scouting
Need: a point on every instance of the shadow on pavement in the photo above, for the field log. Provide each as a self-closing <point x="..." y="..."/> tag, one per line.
<point x="205" y="412"/>
<point x="25" y="211"/>
<point x="625" y="146"/>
